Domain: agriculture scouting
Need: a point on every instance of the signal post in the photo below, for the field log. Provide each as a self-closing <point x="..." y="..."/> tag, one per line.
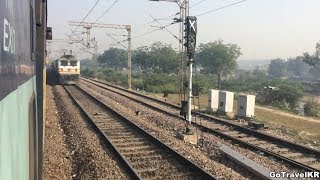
<point x="190" y="36"/>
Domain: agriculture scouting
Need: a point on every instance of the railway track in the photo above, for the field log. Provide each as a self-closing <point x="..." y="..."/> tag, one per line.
<point x="294" y="154"/>
<point x="144" y="156"/>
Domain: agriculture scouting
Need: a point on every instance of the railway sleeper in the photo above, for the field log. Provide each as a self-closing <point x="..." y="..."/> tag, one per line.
<point x="306" y="160"/>
<point x="316" y="166"/>
<point x="119" y="132"/>
<point x="134" y="143"/>
<point x="127" y="140"/>
<point x="134" y="148"/>
<point x="119" y="136"/>
<point x="164" y="167"/>
<point x="268" y="146"/>
<point x="248" y="139"/>
<point x="143" y="159"/>
<point x="292" y="155"/>
<point x="148" y="162"/>
<point x="239" y="135"/>
<point x="137" y="151"/>
<point x="141" y="154"/>
<point x="112" y="127"/>
<point x="258" y="142"/>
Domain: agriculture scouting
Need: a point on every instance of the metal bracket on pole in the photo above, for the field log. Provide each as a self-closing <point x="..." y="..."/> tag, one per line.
<point x="88" y="26"/>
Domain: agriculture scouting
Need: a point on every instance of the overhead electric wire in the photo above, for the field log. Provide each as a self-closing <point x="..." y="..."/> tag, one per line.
<point x="163" y="27"/>
<point x="149" y="32"/>
<point x="103" y="14"/>
<point x="145" y="33"/>
<point x="197" y="3"/>
<point x="88" y="13"/>
<point x="223" y="7"/>
<point x="116" y="41"/>
<point x="118" y="35"/>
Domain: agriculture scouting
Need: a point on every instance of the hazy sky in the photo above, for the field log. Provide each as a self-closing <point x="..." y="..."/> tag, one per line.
<point x="264" y="29"/>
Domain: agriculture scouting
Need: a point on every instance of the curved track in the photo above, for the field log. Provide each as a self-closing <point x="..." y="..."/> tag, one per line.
<point x="294" y="154"/>
<point x="145" y="156"/>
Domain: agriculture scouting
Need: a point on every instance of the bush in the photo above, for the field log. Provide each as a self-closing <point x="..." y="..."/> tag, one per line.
<point x="282" y="105"/>
<point x="312" y="108"/>
<point x="288" y="94"/>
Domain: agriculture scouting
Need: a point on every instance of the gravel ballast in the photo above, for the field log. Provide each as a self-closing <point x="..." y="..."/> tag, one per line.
<point x="165" y="127"/>
<point x="56" y="164"/>
<point x="83" y="155"/>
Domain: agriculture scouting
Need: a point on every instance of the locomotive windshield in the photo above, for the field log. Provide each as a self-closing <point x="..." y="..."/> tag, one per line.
<point x="73" y="63"/>
<point x="64" y="63"/>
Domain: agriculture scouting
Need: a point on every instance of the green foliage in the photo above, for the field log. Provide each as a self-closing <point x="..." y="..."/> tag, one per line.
<point x="160" y="58"/>
<point x="218" y="58"/>
<point x="115" y="58"/>
<point x="158" y="83"/>
<point x="88" y="72"/>
<point x="247" y="82"/>
<point x="313" y="60"/>
<point x="86" y="63"/>
<point x="287" y="93"/>
<point x="297" y="67"/>
<point x="312" y="108"/>
<point x="277" y="68"/>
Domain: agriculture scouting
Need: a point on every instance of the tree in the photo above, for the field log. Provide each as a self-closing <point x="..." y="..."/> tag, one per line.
<point x="159" y="57"/>
<point x="140" y="58"/>
<point x="297" y="67"/>
<point x="259" y="74"/>
<point x="218" y="58"/>
<point x="277" y="68"/>
<point x="314" y="61"/>
<point x="286" y="93"/>
<point x="115" y="58"/>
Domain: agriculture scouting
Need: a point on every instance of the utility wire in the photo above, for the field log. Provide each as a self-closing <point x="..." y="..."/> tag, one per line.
<point x="163" y="27"/>
<point x="116" y="41"/>
<point x="141" y="35"/>
<point x="118" y="35"/>
<point x="197" y="4"/>
<point x="88" y="13"/>
<point x="106" y="11"/>
<point x="149" y="32"/>
<point x="223" y="7"/>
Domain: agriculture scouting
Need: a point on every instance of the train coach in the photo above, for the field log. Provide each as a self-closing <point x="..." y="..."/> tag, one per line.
<point x="23" y="30"/>
<point x="67" y="69"/>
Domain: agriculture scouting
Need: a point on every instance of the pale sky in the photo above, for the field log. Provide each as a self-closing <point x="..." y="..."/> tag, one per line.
<point x="264" y="29"/>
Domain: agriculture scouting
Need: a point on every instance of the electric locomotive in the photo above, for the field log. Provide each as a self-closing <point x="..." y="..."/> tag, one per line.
<point x="22" y="50"/>
<point x="67" y="69"/>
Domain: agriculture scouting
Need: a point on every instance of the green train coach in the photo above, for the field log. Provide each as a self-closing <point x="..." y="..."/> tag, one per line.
<point x="23" y="33"/>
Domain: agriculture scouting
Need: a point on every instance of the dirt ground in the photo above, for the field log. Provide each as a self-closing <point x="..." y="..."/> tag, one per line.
<point x="299" y="128"/>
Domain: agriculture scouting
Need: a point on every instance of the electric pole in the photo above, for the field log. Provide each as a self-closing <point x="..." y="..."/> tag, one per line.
<point x="129" y="57"/>
<point x="89" y="26"/>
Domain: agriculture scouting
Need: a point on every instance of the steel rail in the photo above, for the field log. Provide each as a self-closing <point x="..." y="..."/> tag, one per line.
<point x="204" y="174"/>
<point x="130" y="169"/>
<point x="263" y="136"/>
